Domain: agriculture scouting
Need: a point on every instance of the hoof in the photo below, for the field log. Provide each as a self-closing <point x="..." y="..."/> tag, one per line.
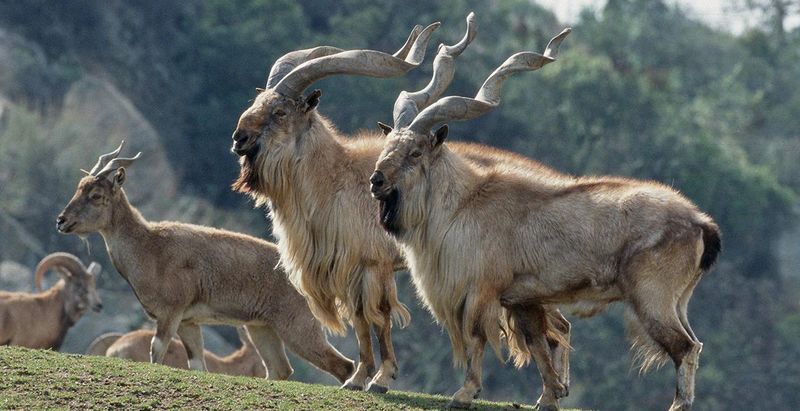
<point x="377" y="389"/>
<point x="458" y="405"/>
<point x="561" y="391"/>
<point x="541" y="407"/>
<point x="565" y="393"/>
<point x="352" y="387"/>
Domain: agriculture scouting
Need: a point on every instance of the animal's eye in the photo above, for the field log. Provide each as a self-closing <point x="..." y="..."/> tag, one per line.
<point x="96" y="196"/>
<point x="279" y="113"/>
<point x="416" y="153"/>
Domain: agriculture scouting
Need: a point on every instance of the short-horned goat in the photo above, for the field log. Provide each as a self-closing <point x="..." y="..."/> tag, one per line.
<point x="135" y="346"/>
<point x="186" y="275"/>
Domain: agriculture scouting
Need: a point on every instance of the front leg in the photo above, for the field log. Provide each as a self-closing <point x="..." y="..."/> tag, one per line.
<point x="388" y="369"/>
<point x="166" y="327"/>
<point x="366" y="359"/>
<point x="192" y="338"/>
<point x="472" y="381"/>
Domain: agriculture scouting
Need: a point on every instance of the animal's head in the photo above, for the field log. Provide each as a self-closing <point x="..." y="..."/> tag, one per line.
<point x="413" y="148"/>
<point x="80" y="292"/>
<point x="90" y="209"/>
<point x="274" y="125"/>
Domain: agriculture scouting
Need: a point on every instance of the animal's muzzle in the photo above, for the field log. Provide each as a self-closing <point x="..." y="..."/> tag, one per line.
<point x="377" y="185"/>
<point x="62" y="225"/>
<point x="242" y="143"/>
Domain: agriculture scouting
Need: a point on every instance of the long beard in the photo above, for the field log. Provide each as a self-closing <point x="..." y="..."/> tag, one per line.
<point x="390" y="211"/>
<point x="248" y="180"/>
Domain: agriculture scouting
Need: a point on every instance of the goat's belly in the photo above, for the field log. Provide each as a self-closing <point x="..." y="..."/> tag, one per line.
<point x="203" y="314"/>
<point x="528" y="289"/>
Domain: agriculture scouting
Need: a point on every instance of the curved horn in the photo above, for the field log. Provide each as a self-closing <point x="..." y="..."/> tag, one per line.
<point x="488" y="97"/>
<point x="369" y="63"/>
<point x="117" y="163"/>
<point x="105" y="158"/>
<point x="63" y="260"/>
<point x="409" y="104"/>
<point x="412" y="37"/>
<point x="289" y="61"/>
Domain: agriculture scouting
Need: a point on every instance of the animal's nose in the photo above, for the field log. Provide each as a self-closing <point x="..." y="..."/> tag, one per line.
<point x="98" y="307"/>
<point x="377" y="179"/>
<point x="60" y="220"/>
<point x="239" y="135"/>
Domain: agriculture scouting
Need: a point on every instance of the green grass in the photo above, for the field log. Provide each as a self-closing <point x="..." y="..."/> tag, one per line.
<point x="36" y="379"/>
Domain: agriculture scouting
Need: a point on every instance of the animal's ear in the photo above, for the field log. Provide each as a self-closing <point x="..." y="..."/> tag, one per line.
<point x="94" y="269"/>
<point x="312" y="101"/>
<point x="259" y="90"/>
<point x="119" y="177"/>
<point x="385" y="128"/>
<point x="439" y="136"/>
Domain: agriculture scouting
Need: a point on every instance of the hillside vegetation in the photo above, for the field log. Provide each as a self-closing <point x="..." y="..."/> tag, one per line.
<point x="642" y="89"/>
<point x="36" y="379"/>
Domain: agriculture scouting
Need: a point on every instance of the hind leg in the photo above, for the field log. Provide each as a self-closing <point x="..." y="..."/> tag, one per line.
<point x="270" y="347"/>
<point x="665" y="328"/>
<point x="559" y="350"/>
<point x="534" y="324"/>
<point x="192" y="338"/>
<point x="683" y="305"/>
<point x="306" y="338"/>
<point x="658" y="284"/>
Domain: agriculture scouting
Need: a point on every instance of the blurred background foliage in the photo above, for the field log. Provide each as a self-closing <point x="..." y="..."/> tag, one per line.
<point x="640" y="90"/>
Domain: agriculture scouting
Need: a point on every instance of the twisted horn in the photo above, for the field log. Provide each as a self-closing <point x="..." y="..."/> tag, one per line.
<point x="290" y="60"/>
<point x="409" y="104"/>
<point x="117" y="163"/>
<point x="369" y="63"/>
<point x="105" y="158"/>
<point x="488" y="97"/>
<point x="65" y="261"/>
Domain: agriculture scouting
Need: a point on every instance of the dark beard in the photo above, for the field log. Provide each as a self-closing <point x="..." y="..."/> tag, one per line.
<point x="247" y="182"/>
<point x="389" y="212"/>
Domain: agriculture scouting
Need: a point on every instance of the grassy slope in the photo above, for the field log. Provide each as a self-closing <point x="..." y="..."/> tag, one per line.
<point x="35" y="379"/>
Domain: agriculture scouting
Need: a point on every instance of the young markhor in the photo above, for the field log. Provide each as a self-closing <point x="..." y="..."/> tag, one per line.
<point x="185" y="275"/>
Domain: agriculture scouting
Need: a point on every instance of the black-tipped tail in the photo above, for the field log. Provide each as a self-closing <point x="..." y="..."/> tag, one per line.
<point x="712" y="242"/>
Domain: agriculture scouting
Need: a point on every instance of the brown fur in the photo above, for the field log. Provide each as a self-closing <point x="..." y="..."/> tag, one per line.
<point x="314" y="182"/>
<point x="135" y="346"/>
<point x="186" y="275"/>
<point x="506" y="238"/>
<point x="99" y="345"/>
<point x="42" y="320"/>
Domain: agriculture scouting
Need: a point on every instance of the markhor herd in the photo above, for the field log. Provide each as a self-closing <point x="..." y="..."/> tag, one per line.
<point x="494" y="242"/>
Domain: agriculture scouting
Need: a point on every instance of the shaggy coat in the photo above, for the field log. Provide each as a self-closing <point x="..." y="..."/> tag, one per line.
<point x="331" y="244"/>
<point x="314" y="182"/>
<point x="543" y="238"/>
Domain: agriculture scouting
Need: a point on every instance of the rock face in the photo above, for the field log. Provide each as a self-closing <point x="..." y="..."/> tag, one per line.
<point x="95" y="117"/>
<point x="54" y="120"/>
<point x="15" y="276"/>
